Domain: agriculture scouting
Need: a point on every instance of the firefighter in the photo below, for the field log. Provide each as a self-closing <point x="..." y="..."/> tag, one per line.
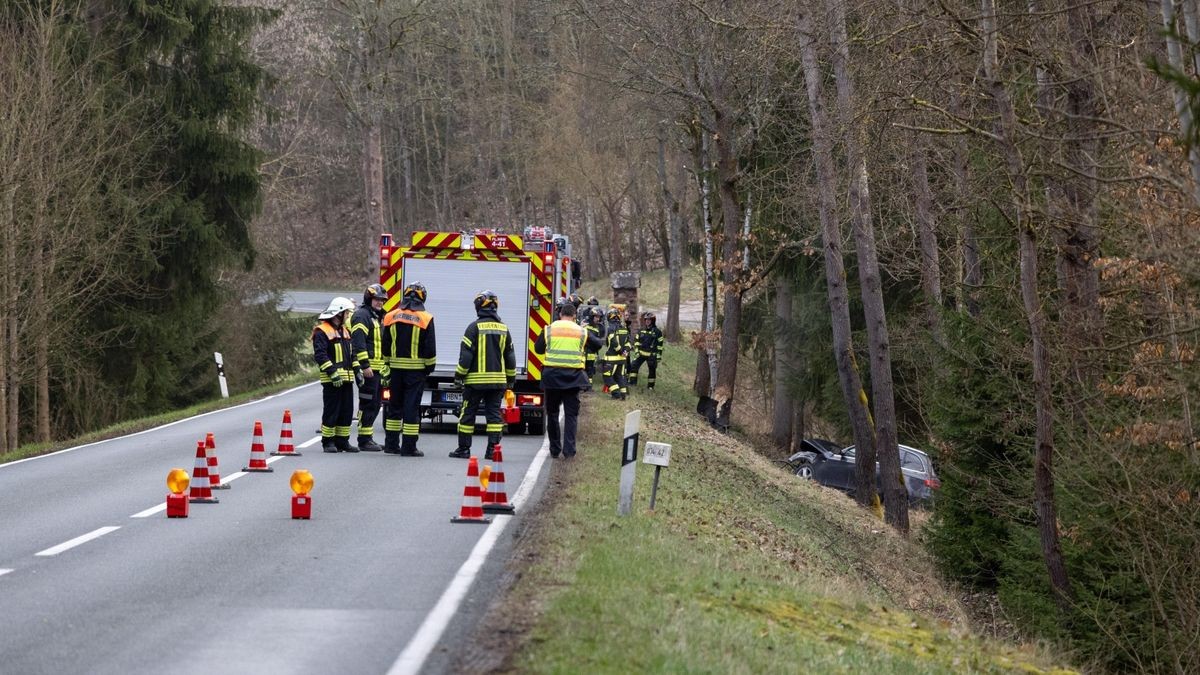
<point x="411" y="351"/>
<point x="616" y="354"/>
<point x="332" y="353"/>
<point x="650" y="343"/>
<point x="366" y="335"/>
<point x="594" y="326"/>
<point x="487" y="365"/>
<point x="564" y="343"/>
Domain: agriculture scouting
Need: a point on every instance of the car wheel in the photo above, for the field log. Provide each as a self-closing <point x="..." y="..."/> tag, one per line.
<point x="804" y="469"/>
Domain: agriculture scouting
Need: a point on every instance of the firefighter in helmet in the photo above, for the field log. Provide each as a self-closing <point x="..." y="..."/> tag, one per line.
<point x="593" y="323"/>
<point x="487" y="365"/>
<point x="616" y="354"/>
<point x="411" y="351"/>
<point x="332" y="352"/>
<point x="650" y="343"/>
<point x="366" y="336"/>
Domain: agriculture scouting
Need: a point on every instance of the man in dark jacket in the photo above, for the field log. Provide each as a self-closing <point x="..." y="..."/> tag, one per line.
<point x="487" y="365"/>
<point x="332" y="354"/>
<point x="650" y="343"/>
<point x="411" y="351"/>
<point x="366" y="335"/>
<point x="564" y="343"/>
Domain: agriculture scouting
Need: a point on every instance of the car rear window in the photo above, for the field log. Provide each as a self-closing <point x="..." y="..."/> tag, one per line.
<point x="912" y="461"/>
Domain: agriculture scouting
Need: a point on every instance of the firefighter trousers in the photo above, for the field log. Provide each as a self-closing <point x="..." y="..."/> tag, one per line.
<point x="651" y="361"/>
<point x="370" y="397"/>
<point x="337" y="413"/>
<point x="562" y="440"/>
<point x="402" y="418"/>
<point x="614" y="377"/>
<point x="473" y="399"/>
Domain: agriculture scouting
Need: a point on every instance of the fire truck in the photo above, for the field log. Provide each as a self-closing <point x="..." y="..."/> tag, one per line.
<point x="528" y="272"/>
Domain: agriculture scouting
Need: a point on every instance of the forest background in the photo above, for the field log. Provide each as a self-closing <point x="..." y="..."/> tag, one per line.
<point x="967" y="225"/>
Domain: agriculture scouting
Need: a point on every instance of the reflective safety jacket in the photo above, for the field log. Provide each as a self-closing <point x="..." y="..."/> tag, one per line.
<point x="566" y="343"/>
<point x="366" y="334"/>
<point x="331" y="351"/>
<point x="650" y="342"/>
<point x="617" y="342"/>
<point x="486" y="358"/>
<point x="594" y="347"/>
<point x="408" y="340"/>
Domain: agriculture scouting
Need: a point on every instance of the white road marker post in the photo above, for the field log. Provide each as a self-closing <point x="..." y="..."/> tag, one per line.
<point x="221" y="374"/>
<point x="658" y="454"/>
<point x="633" y="424"/>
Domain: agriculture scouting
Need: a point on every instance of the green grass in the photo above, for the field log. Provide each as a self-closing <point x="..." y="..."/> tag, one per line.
<point x="654" y="288"/>
<point x="142" y="423"/>
<point x="742" y="568"/>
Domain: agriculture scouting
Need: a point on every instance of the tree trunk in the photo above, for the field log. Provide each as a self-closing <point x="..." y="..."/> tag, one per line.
<point x="375" y="191"/>
<point x="674" y="242"/>
<point x="931" y="267"/>
<point x="835" y="269"/>
<point x="595" y="263"/>
<point x="41" y="346"/>
<point x="731" y="309"/>
<point x="1182" y="111"/>
<point x="895" y="495"/>
<point x="710" y="290"/>
<point x="782" y="408"/>
<point x="1043" y="488"/>
<point x="972" y="272"/>
<point x="617" y="244"/>
<point x="7" y="305"/>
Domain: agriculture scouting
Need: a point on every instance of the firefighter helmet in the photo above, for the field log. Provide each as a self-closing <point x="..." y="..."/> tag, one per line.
<point x="613" y="314"/>
<point x="593" y="300"/>
<point x="563" y="305"/>
<point x="374" y="292"/>
<point x="336" y="307"/>
<point x="576" y="300"/>
<point x="486" y="300"/>
<point x="649" y="316"/>
<point x="415" y="292"/>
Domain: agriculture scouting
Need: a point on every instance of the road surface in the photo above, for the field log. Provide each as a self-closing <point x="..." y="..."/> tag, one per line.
<point x="94" y="578"/>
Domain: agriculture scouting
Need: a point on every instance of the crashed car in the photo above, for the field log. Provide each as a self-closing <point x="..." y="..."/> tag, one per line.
<point x="831" y="465"/>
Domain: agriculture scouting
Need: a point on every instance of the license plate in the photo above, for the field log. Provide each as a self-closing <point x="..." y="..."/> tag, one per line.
<point x="451" y="397"/>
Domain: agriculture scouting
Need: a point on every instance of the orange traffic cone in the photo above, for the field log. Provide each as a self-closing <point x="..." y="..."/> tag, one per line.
<point x="258" y="454"/>
<point x="285" y="437"/>
<point x="201" y="492"/>
<point x="495" y="500"/>
<point x="472" y="507"/>
<point x="214" y="468"/>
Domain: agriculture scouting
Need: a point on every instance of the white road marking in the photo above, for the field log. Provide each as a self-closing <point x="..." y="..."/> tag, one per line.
<point x="275" y="458"/>
<point x="305" y="444"/>
<point x="150" y="511"/>
<point x="426" y="638"/>
<point x="3" y="572"/>
<point x="164" y="426"/>
<point x="82" y="539"/>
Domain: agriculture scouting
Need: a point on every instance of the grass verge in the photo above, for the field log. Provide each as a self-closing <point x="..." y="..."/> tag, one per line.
<point x="654" y="289"/>
<point x="742" y="568"/>
<point x="142" y="423"/>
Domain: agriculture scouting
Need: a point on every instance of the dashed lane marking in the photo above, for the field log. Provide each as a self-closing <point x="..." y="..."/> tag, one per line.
<point x="81" y="539"/>
<point x="4" y="571"/>
<point x="305" y="444"/>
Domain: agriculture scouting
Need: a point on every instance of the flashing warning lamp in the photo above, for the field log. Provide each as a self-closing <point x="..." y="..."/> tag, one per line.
<point x="548" y="257"/>
<point x="484" y="474"/>
<point x="177" y="502"/>
<point x="302" y="483"/>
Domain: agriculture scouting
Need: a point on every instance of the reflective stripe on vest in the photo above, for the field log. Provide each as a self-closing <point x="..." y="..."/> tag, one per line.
<point x="564" y="349"/>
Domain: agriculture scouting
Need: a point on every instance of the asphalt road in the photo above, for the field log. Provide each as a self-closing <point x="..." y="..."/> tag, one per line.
<point x="239" y="586"/>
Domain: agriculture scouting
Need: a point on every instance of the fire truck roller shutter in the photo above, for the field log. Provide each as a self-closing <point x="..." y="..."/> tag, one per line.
<point x="452" y="285"/>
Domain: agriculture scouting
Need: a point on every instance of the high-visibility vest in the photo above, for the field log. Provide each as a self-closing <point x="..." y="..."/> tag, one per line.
<point x="564" y="349"/>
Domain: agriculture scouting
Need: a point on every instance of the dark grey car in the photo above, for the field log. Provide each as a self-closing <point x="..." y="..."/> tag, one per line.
<point x="828" y="464"/>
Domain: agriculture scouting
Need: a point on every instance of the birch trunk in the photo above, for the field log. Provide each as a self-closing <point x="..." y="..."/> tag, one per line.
<point x="374" y="189"/>
<point x="710" y="290"/>
<point x="1182" y="111"/>
<point x="895" y="495"/>
<point x="835" y="269"/>
<point x="1044" y="500"/>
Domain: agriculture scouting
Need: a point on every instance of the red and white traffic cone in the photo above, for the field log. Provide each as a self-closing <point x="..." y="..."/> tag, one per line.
<point x="258" y="454"/>
<point x="285" y="437"/>
<point x="495" y="500"/>
<point x="214" y="468"/>
<point x="201" y="492"/>
<point x="472" y="506"/>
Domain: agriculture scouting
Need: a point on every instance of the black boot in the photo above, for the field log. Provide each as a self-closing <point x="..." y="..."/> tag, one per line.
<point x="343" y="445"/>
<point x="368" y="444"/>
<point x="327" y="445"/>
<point x="409" y="448"/>
<point x="391" y="442"/>
<point x="461" y="453"/>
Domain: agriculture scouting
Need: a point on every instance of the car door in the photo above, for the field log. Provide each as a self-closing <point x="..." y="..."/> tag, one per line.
<point x="840" y="470"/>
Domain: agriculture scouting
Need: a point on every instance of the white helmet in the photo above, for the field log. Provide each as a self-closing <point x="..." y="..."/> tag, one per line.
<point x="337" y="306"/>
